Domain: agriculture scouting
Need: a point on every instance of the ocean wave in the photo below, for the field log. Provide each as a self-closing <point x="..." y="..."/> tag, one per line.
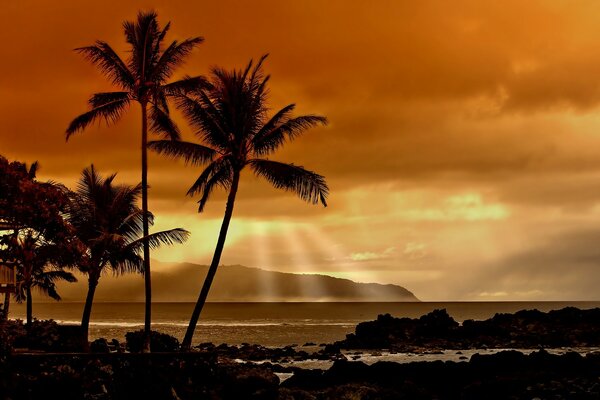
<point x="126" y="324"/>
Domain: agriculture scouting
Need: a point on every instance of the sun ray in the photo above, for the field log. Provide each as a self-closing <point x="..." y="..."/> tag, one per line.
<point x="261" y="241"/>
<point x="335" y="258"/>
<point x="301" y="261"/>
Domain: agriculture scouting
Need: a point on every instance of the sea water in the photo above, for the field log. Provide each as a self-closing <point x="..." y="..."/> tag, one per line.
<point x="269" y="324"/>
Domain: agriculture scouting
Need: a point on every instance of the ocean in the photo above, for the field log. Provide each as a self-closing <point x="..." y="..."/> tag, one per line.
<point x="269" y="324"/>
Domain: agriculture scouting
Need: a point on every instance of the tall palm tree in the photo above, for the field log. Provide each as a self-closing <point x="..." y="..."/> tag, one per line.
<point x="109" y="223"/>
<point x="142" y="78"/>
<point x="37" y="268"/>
<point x="230" y="117"/>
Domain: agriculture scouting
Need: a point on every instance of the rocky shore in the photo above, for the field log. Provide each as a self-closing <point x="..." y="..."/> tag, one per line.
<point x="506" y="375"/>
<point x="568" y="327"/>
<point x="117" y="371"/>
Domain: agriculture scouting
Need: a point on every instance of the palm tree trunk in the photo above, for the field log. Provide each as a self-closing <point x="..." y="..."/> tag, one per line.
<point x="87" y="309"/>
<point x="29" y="305"/>
<point x="187" y="341"/>
<point x="6" y="306"/>
<point x="147" y="279"/>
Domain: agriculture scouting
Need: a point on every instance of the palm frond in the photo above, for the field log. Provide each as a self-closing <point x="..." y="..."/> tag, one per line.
<point x="162" y="123"/>
<point x="203" y="115"/>
<point x="288" y="130"/>
<point x="278" y="118"/>
<point x="172" y="57"/>
<point x="160" y="38"/>
<point x="59" y="275"/>
<point x="191" y="153"/>
<point x="109" y="112"/>
<point x="100" y="99"/>
<point x="127" y="262"/>
<point x="155" y="240"/>
<point x="109" y="63"/>
<point x="308" y="185"/>
<point x="185" y="86"/>
<point x="222" y="177"/>
<point x="211" y="169"/>
<point x="142" y="36"/>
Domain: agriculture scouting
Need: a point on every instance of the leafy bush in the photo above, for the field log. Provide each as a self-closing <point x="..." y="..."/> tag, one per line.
<point x="158" y="341"/>
<point x="9" y="332"/>
<point x="47" y="335"/>
<point x="40" y="335"/>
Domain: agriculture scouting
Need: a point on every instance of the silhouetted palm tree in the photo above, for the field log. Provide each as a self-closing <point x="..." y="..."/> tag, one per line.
<point x="230" y="116"/>
<point x="142" y="78"/>
<point x="109" y="223"/>
<point x="36" y="268"/>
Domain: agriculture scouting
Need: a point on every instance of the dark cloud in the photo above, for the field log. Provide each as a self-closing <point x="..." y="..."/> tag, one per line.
<point x="563" y="266"/>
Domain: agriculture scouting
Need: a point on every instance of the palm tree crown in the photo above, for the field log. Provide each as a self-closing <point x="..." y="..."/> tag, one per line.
<point x="142" y="76"/>
<point x="230" y="116"/>
<point x="108" y="221"/>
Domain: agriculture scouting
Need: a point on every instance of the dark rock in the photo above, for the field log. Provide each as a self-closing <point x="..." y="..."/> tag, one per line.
<point x="99" y="346"/>
<point x="437" y="330"/>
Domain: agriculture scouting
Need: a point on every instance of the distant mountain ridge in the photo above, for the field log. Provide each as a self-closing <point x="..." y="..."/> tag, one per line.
<point x="180" y="282"/>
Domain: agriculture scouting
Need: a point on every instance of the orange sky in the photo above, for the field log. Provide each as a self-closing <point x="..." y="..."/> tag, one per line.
<point x="463" y="151"/>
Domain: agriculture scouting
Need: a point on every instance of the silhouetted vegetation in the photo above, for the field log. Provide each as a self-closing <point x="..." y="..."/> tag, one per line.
<point x="229" y="115"/>
<point x="106" y="219"/>
<point x="34" y="233"/>
<point x="160" y="342"/>
<point x="141" y="78"/>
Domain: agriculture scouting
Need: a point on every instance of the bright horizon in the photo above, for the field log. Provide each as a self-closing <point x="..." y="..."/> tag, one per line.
<point x="462" y="154"/>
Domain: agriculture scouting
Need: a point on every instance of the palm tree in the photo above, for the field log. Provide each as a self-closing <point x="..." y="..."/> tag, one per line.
<point x="230" y="117"/>
<point x="37" y="268"/>
<point x="109" y="223"/>
<point x="142" y="78"/>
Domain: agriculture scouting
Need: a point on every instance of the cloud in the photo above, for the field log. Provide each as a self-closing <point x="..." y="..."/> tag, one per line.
<point x="562" y="265"/>
<point x="465" y="130"/>
<point x="370" y="256"/>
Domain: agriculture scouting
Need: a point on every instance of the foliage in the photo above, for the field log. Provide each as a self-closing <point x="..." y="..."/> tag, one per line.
<point x="108" y="222"/>
<point x="35" y="233"/>
<point x="39" y="264"/>
<point x="230" y="116"/>
<point x="27" y="203"/>
<point x="44" y="335"/>
<point x="9" y="332"/>
<point x="142" y="77"/>
<point x="158" y="341"/>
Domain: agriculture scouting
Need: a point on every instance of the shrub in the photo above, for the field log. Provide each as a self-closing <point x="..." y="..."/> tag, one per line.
<point x="158" y="341"/>
<point x="9" y="332"/>
<point x="47" y="335"/>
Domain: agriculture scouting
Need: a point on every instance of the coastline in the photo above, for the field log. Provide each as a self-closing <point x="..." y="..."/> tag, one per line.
<point x="340" y="369"/>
